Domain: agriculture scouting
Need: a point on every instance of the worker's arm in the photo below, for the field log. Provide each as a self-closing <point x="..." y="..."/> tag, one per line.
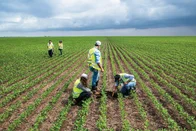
<point x="130" y="77"/>
<point x="100" y="66"/>
<point x="115" y="87"/>
<point x="98" y="59"/>
<point x="80" y="86"/>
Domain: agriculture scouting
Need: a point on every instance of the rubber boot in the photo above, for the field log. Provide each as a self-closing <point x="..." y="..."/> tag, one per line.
<point x="94" y="88"/>
<point x="97" y="83"/>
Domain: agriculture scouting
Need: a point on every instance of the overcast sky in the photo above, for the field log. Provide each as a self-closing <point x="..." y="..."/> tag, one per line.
<point x="97" y="17"/>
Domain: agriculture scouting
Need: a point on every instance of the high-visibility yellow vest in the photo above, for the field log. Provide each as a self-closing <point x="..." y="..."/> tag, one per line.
<point x="122" y="76"/>
<point x="76" y="91"/>
<point x="91" y="59"/>
<point x="60" y="45"/>
<point x="50" y="46"/>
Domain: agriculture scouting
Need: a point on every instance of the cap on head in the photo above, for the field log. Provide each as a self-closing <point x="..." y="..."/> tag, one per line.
<point x="98" y="43"/>
<point x="84" y="75"/>
<point x="60" y="41"/>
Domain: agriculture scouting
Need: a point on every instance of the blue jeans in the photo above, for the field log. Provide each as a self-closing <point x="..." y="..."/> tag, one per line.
<point x="95" y="77"/>
<point x="125" y="90"/>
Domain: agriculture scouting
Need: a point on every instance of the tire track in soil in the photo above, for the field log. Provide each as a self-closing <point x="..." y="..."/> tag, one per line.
<point x="113" y="110"/>
<point x="156" y="121"/>
<point x="46" y="80"/>
<point x="27" y="103"/>
<point x="31" y="119"/>
<point x="53" y="114"/>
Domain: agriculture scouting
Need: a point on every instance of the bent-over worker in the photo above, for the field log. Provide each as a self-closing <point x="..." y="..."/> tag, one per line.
<point x="125" y="83"/>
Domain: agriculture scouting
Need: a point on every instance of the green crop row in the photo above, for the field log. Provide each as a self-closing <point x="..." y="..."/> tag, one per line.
<point x="43" y="115"/>
<point x="159" y="107"/>
<point x="18" y="92"/>
<point x="40" y="72"/>
<point x="102" y="121"/>
<point x="169" y="99"/>
<point x="33" y="106"/>
<point x="125" y="122"/>
<point x="143" y="113"/>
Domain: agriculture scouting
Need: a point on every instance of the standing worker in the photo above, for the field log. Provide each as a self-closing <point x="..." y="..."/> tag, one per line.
<point x="127" y="83"/>
<point x="80" y="90"/>
<point x="50" y="47"/>
<point x="61" y="47"/>
<point x="95" y="64"/>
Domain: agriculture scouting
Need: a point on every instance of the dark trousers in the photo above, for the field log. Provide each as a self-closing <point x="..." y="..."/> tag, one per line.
<point x="61" y="51"/>
<point x="83" y="96"/>
<point x="50" y="53"/>
<point x="125" y="91"/>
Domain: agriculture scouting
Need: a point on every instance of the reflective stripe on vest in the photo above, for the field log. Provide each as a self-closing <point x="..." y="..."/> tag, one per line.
<point x="91" y="59"/>
<point x="76" y="91"/>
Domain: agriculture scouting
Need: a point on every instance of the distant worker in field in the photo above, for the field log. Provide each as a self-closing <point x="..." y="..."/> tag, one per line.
<point x="95" y="64"/>
<point x="50" y="47"/>
<point x="124" y="83"/>
<point x="80" y="90"/>
<point x="61" y="47"/>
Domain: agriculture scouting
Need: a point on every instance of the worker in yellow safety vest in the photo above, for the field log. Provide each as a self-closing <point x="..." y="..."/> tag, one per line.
<point x="95" y="64"/>
<point x="61" y="47"/>
<point x="124" y="83"/>
<point x="50" y="47"/>
<point x="80" y="90"/>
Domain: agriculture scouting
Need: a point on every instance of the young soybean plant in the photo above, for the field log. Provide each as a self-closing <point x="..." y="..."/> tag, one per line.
<point x="79" y="124"/>
<point x="102" y="121"/>
<point x="125" y="122"/>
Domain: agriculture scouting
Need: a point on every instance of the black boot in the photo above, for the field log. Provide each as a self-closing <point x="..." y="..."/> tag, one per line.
<point x="97" y="83"/>
<point x="94" y="88"/>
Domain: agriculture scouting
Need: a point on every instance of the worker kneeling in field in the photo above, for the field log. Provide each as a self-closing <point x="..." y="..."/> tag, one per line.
<point x="127" y="83"/>
<point x="80" y="90"/>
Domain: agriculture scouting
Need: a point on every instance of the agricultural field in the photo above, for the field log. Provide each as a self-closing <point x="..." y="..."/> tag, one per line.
<point x="33" y="85"/>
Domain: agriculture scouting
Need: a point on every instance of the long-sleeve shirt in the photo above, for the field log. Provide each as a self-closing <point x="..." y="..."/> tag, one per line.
<point x="127" y="76"/>
<point x="97" y="55"/>
<point x="80" y="86"/>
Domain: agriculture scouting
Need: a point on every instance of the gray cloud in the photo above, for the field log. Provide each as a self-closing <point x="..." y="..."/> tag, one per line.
<point x="74" y="15"/>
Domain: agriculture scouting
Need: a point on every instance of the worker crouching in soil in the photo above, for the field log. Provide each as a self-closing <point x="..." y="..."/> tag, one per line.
<point x="125" y="83"/>
<point x="80" y="91"/>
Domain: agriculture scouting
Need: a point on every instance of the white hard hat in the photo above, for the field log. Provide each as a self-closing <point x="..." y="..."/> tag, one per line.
<point x="84" y="75"/>
<point x="98" y="43"/>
